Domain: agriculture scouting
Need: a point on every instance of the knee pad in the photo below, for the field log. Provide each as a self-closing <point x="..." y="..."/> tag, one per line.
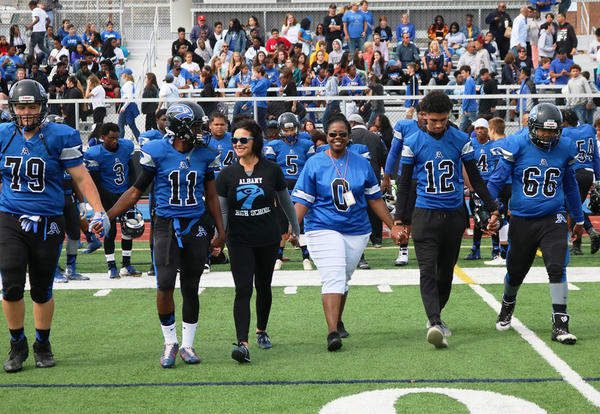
<point x="243" y="291"/>
<point x="12" y="293"/>
<point x="41" y="295"/>
<point x="556" y="273"/>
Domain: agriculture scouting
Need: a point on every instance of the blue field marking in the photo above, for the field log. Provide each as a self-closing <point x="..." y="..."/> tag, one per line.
<point x="301" y="382"/>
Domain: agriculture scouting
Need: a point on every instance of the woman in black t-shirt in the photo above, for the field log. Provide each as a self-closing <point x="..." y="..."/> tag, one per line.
<point x="247" y="191"/>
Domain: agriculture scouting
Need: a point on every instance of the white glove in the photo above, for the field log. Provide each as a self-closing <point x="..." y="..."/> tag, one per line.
<point x="100" y="217"/>
<point x="29" y="222"/>
<point x="82" y="210"/>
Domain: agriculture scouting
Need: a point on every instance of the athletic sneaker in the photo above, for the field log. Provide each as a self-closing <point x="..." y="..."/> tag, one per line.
<point x="377" y="245"/>
<point x="19" y="351"/>
<point x="306" y="264"/>
<point x="334" y="341"/>
<point x="72" y="275"/>
<point x="278" y="264"/>
<point x="240" y="353"/>
<point x="342" y="330"/>
<point x="363" y="264"/>
<point x="188" y="354"/>
<point x="576" y="249"/>
<point x="560" y="329"/>
<point x="402" y="259"/>
<point x="42" y="352"/>
<point x="447" y="332"/>
<point x="92" y="246"/>
<point x="495" y="253"/>
<point x="130" y="271"/>
<point x="264" y="342"/>
<point x="594" y="241"/>
<point x="474" y="255"/>
<point x="167" y="359"/>
<point x="151" y="271"/>
<point x="59" y="277"/>
<point x="506" y="312"/>
<point x="206" y="268"/>
<point x="113" y="273"/>
<point x="436" y="337"/>
<point x="497" y="261"/>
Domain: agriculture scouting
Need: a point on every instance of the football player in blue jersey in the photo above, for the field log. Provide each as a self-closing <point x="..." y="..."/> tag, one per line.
<point x="438" y="222"/>
<point x="332" y="195"/>
<point x="486" y="161"/>
<point x="111" y="167"/>
<point x="543" y="179"/>
<point x="182" y="169"/>
<point x="587" y="166"/>
<point x="291" y="153"/>
<point x="33" y="158"/>
<point x="157" y="133"/>
<point x="402" y="129"/>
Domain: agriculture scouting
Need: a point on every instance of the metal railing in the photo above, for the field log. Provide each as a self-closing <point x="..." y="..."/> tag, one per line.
<point x="584" y="19"/>
<point x="149" y="62"/>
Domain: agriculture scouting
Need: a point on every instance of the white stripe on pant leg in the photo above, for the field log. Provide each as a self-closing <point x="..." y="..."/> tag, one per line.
<point x="326" y="248"/>
<point x="503" y="233"/>
<point x="355" y="246"/>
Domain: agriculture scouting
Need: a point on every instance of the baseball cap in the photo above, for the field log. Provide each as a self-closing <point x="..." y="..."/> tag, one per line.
<point x="177" y="59"/>
<point x="128" y="71"/>
<point x="332" y="6"/>
<point x="392" y="63"/>
<point x="201" y="18"/>
<point x="356" y="118"/>
<point x="169" y="77"/>
<point x="481" y="123"/>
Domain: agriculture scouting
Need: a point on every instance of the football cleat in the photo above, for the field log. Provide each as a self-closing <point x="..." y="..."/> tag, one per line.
<point x="334" y="341"/>
<point x="495" y="253"/>
<point x="342" y="330"/>
<point x="474" y="255"/>
<point x="188" y="354"/>
<point x="447" y="332"/>
<point x="278" y="264"/>
<point x="307" y="265"/>
<point x="497" y="261"/>
<point x="19" y="351"/>
<point x="402" y="259"/>
<point x="560" y="329"/>
<point x="167" y="359"/>
<point x="594" y="241"/>
<point x="576" y="249"/>
<point x="72" y="275"/>
<point x="206" y="268"/>
<point x="264" y="342"/>
<point x="42" y="352"/>
<point x="130" y="271"/>
<point x="59" y="277"/>
<point x="505" y="316"/>
<point x="435" y="336"/>
<point x="151" y="271"/>
<point x="240" y="353"/>
<point x="113" y="273"/>
<point x="363" y="264"/>
<point x="93" y="245"/>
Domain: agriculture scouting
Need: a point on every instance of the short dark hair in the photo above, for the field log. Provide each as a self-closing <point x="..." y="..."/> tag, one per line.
<point x="181" y="29"/>
<point x="256" y="132"/>
<point x="337" y="118"/>
<point x="483" y="71"/>
<point x="575" y="66"/>
<point x="570" y="117"/>
<point x="161" y="112"/>
<point x="469" y="15"/>
<point x="317" y="135"/>
<point x="465" y="68"/>
<point x="107" y="128"/>
<point x="33" y="3"/>
<point x="436" y="102"/>
<point x="217" y="23"/>
<point x="526" y="70"/>
<point x="273" y="30"/>
<point x="217" y="114"/>
<point x="71" y="26"/>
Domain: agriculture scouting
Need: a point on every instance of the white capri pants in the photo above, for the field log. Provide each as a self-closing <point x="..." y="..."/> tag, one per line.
<point x="336" y="255"/>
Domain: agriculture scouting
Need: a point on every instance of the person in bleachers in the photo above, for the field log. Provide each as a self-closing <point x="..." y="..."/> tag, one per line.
<point x="95" y="45"/>
<point x="319" y="34"/>
<point x="90" y="29"/>
<point x="112" y="52"/>
<point x="252" y="25"/>
<point x="518" y="36"/>
<point x="470" y="31"/>
<point x="39" y="76"/>
<point x="72" y="39"/>
<point x="203" y="51"/>
<point x="78" y="57"/>
<point x="10" y="63"/>
<point x="534" y="25"/>
<point x="383" y="30"/>
<point x="199" y="27"/>
<point x="109" y="80"/>
<point x="489" y="86"/>
<point x="522" y="60"/>
<point x="482" y="56"/>
<point x="168" y="90"/>
<point x="217" y="35"/>
<point x="456" y="39"/>
<point x="406" y="51"/>
<point x="71" y="91"/>
<point x="253" y="50"/>
<point x="110" y="33"/>
<point x="181" y="40"/>
<point x="438" y="29"/>
<point x="17" y="41"/>
<point x="271" y="45"/>
<point x="38" y="28"/>
<point x="405" y="27"/>
<point x="565" y="37"/>
<point x="332" y="24"/>
<point x="290" y="28"/>
<point x="499" y="21"/>
<point x="542" y="73"/>
<point x="63" y="31"/>
<point x="355" y="27"/>
<point x="236" y="36"/>
<point x="469" y="58"/>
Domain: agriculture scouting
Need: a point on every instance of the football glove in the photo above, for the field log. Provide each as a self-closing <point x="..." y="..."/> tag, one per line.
<point x="100" y="217"/>
<point x="29" y="222"/>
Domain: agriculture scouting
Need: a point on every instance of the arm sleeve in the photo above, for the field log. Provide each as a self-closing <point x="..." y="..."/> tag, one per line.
<point x="132" y="168"/>
<point x="479" y="185"/>
<point x="403" y="209"/>
<point x="393" y="155"/>
<point x="596" y="161"/>
<point x="144" y="179"/>
<point x="285" y="202"/>
<point x="572" y="195"/>
<point x="224" y="210"/>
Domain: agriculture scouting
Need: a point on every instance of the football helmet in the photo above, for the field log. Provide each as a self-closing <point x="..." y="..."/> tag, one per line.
<point x="132" y="224"/>
<point x="288" y="120"/>
<point x="548" y="117"/>
<point x="183" y="120"/>
<point x="27" y="91"/>
<point x="594" y="204"/>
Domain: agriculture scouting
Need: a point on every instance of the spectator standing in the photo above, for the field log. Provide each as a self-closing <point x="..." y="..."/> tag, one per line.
<point x="40" y="21"/>
<point x="406" y="51"/>
<point x="259" y="86"/>
<point x="565" y="37"/>
<point x="355" y="28"/>
<point x="582" y="106"/>
<point x="527" y="87"/>
<point x="546" y="42"/>
<point x="252" y="25"/>
<point x="217" y="36"/>
<point x="181" y="40"/>
<point x="199" y="27"/>
<point x="518" y="36"/>
<point x="96" y="93"/>
<point x="290" y="28"/>
<point x="236" y="37"/>
<point x="510" y="72"/>
<point x="68" y="109"/>
<point x="534" y="25"/>
<point x="489" y="86"/>
<point x="470" y="31"/>
<point x="110" y="33"/>
<point x="305" y="36"/>
<point x="333" y="26"/>
<point x="149" y="109"/>
<point x="499" y="21"/>
<point x="129" y="110"/>
<point x="438" y="29"/>
<point x="168" y="90"/>
<point x="405" y="27"/>
<point x="331" y="89"/>
<point x="412" y="87"/>
<point x="49" y="6"/>
<point x="469" y="105"/>
<point x="364" y="9"/>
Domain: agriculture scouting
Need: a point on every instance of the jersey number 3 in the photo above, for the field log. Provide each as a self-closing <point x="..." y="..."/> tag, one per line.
<point x="35" y="171"/>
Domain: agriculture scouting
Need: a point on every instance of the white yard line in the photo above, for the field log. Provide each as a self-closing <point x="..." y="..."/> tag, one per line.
<point x="290" y="290"/>
<point x="384" y="288"/>
<point x="102" y="292"/>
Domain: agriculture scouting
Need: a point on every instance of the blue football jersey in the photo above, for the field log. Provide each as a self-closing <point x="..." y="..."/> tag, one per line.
<point x="179" y="177"/>
<point x="150" y="135"/>
<point x="403" y="128"/>
<point x="33" y="170"/>
<point x="438" y="163"/>
<point x="225" y="149"/>
<point x="321" y="188"/>
<point x="497" y="146"/>
<point x="290" y="157"/>
<point x="113" y="166"/>
<point x="583" y="137"/>
<point x="486" y="160"/>
<point x="537" y="175"/>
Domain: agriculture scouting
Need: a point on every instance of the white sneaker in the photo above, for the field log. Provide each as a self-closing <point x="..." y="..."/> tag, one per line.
<point x="498" y="261"/>
<point x="278" y="264"/>
<point x="402" y="259"/>
<point x="435" y="336"/>
<point x="305" y="263"/>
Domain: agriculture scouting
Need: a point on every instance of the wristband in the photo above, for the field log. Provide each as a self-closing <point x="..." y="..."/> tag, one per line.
<point x="398" y="223"/>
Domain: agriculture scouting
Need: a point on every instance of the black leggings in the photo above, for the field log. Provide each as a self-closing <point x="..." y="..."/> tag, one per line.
<point x="252" y="264"/>
<point x="109" y="240"/>
<point x="71" y="214"/>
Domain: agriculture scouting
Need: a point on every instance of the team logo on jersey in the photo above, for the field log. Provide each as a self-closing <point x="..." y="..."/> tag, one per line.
<point x="24" y="151"/>
<point x="560" y="218"/>
<point x="53" y="229"/>
<point x="248" y="192"/>
<point x="543" y="162"/>
<point x="117" y="160"/>
<point x="182" y="165"/>
<point x="439" y="154"/>
<point x="291" y="151"/>
<point x="201" y="232"/>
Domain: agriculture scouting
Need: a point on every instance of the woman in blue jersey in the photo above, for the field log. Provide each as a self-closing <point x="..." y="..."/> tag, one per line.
<point x="331" y="196"/>
<point x="182" y="169"/>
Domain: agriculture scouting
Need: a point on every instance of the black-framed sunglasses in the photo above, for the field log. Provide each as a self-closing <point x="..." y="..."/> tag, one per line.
<point x="241" y="140"/>
<point x="336" y="134"/>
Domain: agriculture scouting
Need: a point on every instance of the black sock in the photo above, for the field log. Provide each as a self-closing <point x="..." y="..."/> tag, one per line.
<point x="17" y="334"/>
<point x="126" y="261"/>
<point x="42" y="335"/>
<point x="559" y="308"/>
<point x="111" y="263"/>
<point x="167" y="319"/>
<point x="305" y="254"/>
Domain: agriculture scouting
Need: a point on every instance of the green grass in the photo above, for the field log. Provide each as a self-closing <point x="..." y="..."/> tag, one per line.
<point x="116" y="339"/>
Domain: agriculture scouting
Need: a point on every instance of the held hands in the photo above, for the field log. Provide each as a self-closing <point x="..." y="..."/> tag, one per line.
<point x="293" y="239"/>
<point x="577" y="232"/>
<point x="386" y="182"/>
<point x="400" y="233"/>
<point x="100" y="224"/>
<point x="493" y="224"/>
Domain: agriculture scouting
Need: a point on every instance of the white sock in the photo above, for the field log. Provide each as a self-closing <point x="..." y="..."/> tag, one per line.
<point x="126" y="253"/>
<point x="170" y="333"/>
<point x="110" y="257"/>
<point x="188" y="332"/>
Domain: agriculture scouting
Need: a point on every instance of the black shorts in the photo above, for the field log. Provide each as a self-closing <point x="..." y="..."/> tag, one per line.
<point x="37" y="253"/>
<point x="71" y="214"/>
<point x="169" y="257"/>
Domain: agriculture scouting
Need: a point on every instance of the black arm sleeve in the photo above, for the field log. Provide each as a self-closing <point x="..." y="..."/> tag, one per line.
<point x="144" y="179"/>
<point x="403" y="207"/>
<point x="479" y="185"/>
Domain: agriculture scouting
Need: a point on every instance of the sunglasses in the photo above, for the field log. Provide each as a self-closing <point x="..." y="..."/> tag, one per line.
<point x="338" y="134"/>
<point x="242" y="140"/>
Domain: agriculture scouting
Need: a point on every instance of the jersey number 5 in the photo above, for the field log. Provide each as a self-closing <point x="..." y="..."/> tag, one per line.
<point x="446" y="168"/>
<point x="531" y="183"/>
<point x="293" y="167"/>
<point x="35" y="171"/>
